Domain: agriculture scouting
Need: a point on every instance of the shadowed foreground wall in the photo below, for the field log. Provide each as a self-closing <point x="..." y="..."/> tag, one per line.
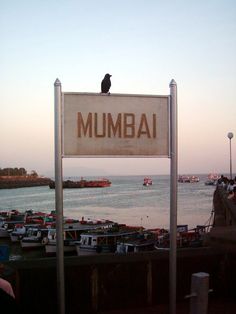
<point x="105" y="282"/>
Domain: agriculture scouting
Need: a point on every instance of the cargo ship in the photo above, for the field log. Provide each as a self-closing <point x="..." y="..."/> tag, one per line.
<point x="69" y="184"/>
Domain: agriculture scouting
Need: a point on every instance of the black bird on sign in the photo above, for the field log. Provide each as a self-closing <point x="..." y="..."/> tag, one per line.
<point x="106" y="84"/>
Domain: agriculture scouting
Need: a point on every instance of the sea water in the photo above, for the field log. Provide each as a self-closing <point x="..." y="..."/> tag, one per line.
<point x="125" y="201"/>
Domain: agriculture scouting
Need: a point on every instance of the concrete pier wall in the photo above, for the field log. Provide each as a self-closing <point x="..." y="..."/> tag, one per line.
<point x="225" y="209"/>
<point x="104" y="282"/>
<point x="223" y="233"/>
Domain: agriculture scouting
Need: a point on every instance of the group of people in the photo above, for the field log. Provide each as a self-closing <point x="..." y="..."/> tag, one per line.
<point x="229" y="185"/>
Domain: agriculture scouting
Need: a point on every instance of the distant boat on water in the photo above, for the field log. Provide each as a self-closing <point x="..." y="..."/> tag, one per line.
<point x="212" y="179"/>
<point x="147" y="181"/>
<point x="69" y="184"/>
<point x="188" y="179"/>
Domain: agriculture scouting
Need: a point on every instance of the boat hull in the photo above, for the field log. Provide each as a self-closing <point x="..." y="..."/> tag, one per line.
<point x="51" y="248"/>
<point x="4" y="233"/>
<point x="91" y="250"/>
<point x="15" y="237"/>
<point x="31" y="244"/>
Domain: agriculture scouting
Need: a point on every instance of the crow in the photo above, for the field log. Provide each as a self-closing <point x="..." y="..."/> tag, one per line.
<point x="106" y="84"/>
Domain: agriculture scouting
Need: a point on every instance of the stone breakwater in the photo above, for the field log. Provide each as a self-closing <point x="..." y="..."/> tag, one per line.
<point x="13" y="182"/>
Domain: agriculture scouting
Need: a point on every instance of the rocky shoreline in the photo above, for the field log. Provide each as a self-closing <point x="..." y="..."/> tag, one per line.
<point x="13" y="182"/>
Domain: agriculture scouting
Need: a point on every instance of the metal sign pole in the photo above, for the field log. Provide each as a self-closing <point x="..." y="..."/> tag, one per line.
<point x="59" y="197"/>
<point x="173" y="196"/>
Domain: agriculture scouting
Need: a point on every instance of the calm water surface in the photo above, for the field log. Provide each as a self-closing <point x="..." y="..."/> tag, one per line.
<point x="126" y="201"/>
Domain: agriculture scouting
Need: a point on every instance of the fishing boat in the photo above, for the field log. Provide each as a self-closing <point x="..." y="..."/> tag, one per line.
<point x="136" y="244"/>
<point x="188" y="179"/>
<point x="4" y="229"/>
<point x="72" y="235"/>
<point x="7" y="226"/>
<point x="20" y="231"/>
<point x="191" y="237"/>
<point x="194" y="179"/>
<point x="185" y="237"/>
<point x="34" y="238"/>
<point x="69" y="184"/>
<point x="100" y="242"/>
<point x="147" y="181"/>
<point x="212" y="179"/>
<point x="183" y="179"/>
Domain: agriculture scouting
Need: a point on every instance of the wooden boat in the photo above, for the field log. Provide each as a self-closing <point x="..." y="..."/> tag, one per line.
<point x="135" y="244"/>
<point x="194" y="179"/>
<point x="8" y="220"/>
<point x="100" y="242"/>
<point x="4" y="231"/>
<point x="13" y="223"/>
<point x="72" y="235"/>
<point x="191" y="238"/>
<point x="68" y="184"/>
<point x="20" y="230"/>
<point x="7" y="226"/>
<point x="188" y="179"/>
<point x="212" y="179"/>
<point x="185" y="237"/>
<point x="34" y="237"/>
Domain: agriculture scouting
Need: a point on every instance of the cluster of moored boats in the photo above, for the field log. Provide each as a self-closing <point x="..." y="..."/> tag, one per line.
<point x="34" y="230"/>
<point x="188" y="179"/>
<point x="212" y="179"/>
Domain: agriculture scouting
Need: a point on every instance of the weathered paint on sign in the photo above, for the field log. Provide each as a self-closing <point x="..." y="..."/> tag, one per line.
<point x="115" y="125"/>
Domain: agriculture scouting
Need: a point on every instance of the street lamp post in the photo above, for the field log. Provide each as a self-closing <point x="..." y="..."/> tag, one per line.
<point x="230" y="136"/>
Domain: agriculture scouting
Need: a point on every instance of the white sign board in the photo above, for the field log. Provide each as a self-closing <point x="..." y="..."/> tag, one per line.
<point x="117" y="125"/>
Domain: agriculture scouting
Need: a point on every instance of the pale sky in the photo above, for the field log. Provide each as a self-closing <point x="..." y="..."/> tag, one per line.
<point x="144" y="44"/>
